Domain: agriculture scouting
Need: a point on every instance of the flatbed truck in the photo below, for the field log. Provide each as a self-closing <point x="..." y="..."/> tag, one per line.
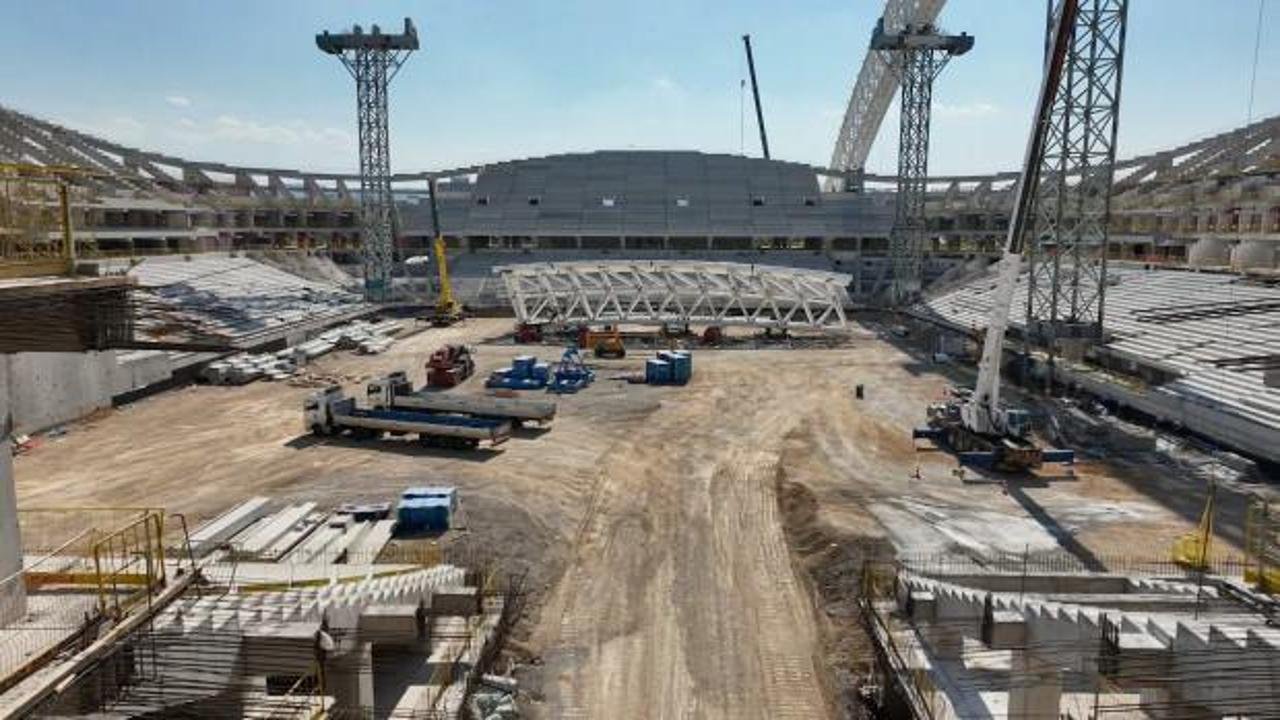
<point x="395" y="391"/>
<point x="330" y="412"/>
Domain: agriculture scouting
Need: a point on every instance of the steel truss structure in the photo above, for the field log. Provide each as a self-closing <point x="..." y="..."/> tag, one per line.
<point x="373" y="59"/>
<point x="918" y="68"/>
<point x="1067" y="254"/>
<point x="683" y="292"/>
<point x="918" y="53"/>
<point x="874" y="89"/>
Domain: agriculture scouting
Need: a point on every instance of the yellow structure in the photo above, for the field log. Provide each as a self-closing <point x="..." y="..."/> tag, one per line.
<point x="1192" y="550"/>
<point x="35" y="219"/>
<point x="1262" y="552"/>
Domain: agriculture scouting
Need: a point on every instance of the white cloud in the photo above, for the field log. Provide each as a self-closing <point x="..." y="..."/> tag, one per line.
<point x="662" y="83"/>
<point x="967" y="110"/>
<point x="234" y="130"/>
<point x="296" y="132"/>
<point x="180" y="101"/>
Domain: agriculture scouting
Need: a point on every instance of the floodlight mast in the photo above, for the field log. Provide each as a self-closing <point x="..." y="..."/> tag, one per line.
<point x="373" y="59"/>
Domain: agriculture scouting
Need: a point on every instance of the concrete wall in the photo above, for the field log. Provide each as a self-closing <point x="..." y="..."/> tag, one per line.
<point x="41" y="390"/>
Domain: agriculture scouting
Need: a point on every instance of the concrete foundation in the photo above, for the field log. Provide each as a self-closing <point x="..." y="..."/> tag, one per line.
<point x="349" y="679"/>
<point x="1035" y="686"/>
<point x="13" y="595"/>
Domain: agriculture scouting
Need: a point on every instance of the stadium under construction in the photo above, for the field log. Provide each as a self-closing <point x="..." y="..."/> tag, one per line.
<point x="649" y="433"/>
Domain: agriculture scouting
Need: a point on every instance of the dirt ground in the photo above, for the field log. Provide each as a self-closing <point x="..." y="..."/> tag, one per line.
<point x="690" y="549"/>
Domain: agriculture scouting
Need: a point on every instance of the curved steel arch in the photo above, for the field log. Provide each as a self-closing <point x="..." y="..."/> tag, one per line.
<point x="643" y="292"/>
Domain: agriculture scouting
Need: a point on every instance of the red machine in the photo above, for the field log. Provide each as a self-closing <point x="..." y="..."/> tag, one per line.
<point x="526" y="334"/>
<point x="450" y="365"/>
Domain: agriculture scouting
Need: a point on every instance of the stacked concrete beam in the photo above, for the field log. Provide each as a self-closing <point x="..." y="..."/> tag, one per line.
<point x="273" y="529"/>
<point x="1218" y="665"/>
<point x="219" y="530"/>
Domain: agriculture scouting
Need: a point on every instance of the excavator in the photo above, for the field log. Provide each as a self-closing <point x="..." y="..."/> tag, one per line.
<point x="974" y="424"/>
<point x="448" y="311"/>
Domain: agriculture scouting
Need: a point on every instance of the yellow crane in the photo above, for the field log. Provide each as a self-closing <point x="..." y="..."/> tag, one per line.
<point x="448" y="310"/>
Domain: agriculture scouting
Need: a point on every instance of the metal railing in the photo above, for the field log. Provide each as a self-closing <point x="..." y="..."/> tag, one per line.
<point x="80" y="566"/>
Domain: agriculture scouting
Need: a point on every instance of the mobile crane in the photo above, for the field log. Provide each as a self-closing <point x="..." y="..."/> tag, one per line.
<point x="448" y="311"/>
<point x="973" y="423"/>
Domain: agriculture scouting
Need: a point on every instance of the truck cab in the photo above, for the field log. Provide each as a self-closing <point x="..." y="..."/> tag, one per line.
<point x="1017" y="423"/>
<point x="317" y="410"/>
<point x="381" y="392"/>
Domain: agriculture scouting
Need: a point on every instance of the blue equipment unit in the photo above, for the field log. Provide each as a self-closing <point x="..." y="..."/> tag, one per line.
<point x="670" y="367"/>
<point x="525" y="373"/>
<point x="426" y="508"/>
<point x="657" y="372"/>
<point x="681" y="367"/>
<point x="571" y="373"/>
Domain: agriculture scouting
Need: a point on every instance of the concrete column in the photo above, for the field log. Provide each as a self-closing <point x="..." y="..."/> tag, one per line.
<point x="13" y="594"/>
<point x="350" y="679"/>
<point x="955" y="619"/>
<point x="1035" y="686"/>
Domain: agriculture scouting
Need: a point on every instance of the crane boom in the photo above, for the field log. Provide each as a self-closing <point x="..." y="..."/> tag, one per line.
<point x="982" y="412"/>
<point x="447" y="310"/>
<point x="755" y="93"/>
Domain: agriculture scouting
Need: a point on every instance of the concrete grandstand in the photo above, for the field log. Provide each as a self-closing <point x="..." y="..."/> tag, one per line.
<point x="1211" y="202"/>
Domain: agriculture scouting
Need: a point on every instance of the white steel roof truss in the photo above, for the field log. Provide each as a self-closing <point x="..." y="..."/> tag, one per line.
<point x="655" y="292"/>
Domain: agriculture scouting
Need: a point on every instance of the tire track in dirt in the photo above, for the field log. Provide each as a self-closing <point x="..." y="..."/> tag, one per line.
<point x="680" y="600"/>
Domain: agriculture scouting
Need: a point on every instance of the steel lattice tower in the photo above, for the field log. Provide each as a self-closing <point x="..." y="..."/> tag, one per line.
<point x="919" y="55"/>
<point x="1068" y="254"/>
<point x="373" y="59"/>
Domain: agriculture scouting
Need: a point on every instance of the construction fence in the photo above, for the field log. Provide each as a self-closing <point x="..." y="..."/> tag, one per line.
<point x="81" y="568"/>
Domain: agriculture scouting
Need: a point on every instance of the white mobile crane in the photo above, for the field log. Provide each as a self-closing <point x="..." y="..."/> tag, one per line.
<point x="974" y="423"/>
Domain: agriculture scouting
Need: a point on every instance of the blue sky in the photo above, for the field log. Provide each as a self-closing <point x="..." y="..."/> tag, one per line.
<point x="242" y="82"/>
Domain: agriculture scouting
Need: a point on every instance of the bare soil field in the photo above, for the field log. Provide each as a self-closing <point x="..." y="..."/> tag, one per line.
<point x="693" y="551"/>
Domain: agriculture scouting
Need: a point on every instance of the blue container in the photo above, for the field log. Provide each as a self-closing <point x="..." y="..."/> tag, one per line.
<point x="426" y="508"/>
<point x="657" y="371"/>
<point x="541" y="372"/>
<point x="681" y="367"/>
<point x="430" y="491"/>
<point x="522" y="365"/>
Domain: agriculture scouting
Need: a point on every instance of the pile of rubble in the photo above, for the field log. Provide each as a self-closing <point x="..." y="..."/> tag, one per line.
<point x="495" y="699"/>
